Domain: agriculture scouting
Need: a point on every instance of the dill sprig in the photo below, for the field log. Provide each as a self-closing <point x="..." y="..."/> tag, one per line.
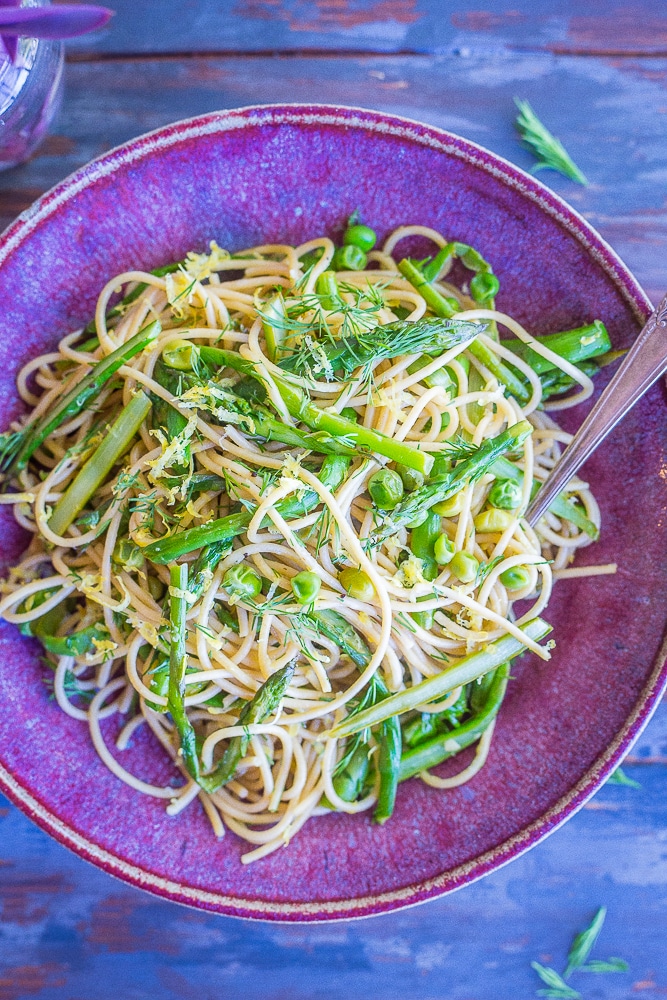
<point x="578" y="961"/>
<point x="367" y="347"/>
<point x="550" y="153"/>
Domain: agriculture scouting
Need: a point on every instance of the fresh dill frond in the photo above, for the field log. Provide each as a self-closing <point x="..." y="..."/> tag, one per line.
<point x="458" y="448"/>
<point x="558" y="988"/>
<point x="125" y="481"/>
<point x="269" y="479"/>
<point x="485" y="568"/>
<point x="550" y="153"/>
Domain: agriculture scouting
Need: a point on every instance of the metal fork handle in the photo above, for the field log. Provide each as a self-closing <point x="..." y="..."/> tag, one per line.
<point x="644" y="363"/>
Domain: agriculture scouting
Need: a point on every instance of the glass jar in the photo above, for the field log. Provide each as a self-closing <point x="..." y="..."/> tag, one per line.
<point x="30" y="92"/>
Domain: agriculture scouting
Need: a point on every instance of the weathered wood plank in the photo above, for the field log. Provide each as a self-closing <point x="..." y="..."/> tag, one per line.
<point x="382" y="26"/>
<point x="68" y="931"/>
<point x="610" y="113"/>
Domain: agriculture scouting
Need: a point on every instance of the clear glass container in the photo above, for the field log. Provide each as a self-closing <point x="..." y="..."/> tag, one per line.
<point x="30" y="92"/>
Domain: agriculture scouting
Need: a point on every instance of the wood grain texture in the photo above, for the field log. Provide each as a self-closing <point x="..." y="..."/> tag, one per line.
<point x="69" y="932"/>
<point x="610" y="113"/>
<point x="430" y="26"/>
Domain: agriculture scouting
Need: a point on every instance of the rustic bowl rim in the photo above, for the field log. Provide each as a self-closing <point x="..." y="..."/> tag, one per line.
<point x="607" y="260"/>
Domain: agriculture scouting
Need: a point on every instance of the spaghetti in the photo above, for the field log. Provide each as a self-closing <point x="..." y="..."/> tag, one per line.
<point x="271" y="497"/>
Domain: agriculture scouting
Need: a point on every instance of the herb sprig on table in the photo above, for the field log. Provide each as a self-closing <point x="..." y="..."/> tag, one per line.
<point x="550" y="152"/>
<point x="578" y="961"/>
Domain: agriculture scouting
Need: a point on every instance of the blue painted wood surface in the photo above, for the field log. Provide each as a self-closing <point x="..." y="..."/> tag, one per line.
<point x="432" y="26"/>
<point x="68" y="931"/>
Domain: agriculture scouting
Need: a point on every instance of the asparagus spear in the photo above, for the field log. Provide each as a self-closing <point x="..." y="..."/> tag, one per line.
<point x="448" y="744"/>
<point x="178" y="662"/>
<point x="264" y="703"/>
<point x="349" y="782"/>
<point x="447" y="307"/>
<point x="236" y="407"/>
<point x="16" y="449"/>
<point x="165" y="550"/>
<point x="206" y="564"/>
<point x="575" y="346"/>
<point x="390" y="742"/>
<point x="300" y="406"/>
<point x="423" y="499"/>
<point x="93" y="473"/>
<point x="430" y="724"/>
<point x="466" y="670"/>
<point x="339" y="630"/>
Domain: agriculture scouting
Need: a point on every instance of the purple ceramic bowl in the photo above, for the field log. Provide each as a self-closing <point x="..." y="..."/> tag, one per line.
<point x="285" y="174"/>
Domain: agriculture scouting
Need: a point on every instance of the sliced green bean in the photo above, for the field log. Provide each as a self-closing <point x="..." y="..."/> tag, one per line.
<point x="178" y="661"/>
<point x="264" y="703"/>
<point x="25" y="442"/>
<point x="93" y="473"/>
<point x="165" y="550"/>
<point x="438" y="749"/>
<point x="466" y="670"/>
<point x="339" y="630"/>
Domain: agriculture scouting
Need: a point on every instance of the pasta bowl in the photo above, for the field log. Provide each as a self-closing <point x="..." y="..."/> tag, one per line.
<point x="283" y="174"/>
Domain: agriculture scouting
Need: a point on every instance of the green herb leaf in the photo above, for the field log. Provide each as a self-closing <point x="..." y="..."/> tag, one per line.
<point x="619" y="777"/>
<point x="611" y="965"/>
<point x="550" y="153"/>
<point x="584" y="941"/>
<point x="558" y="988"/>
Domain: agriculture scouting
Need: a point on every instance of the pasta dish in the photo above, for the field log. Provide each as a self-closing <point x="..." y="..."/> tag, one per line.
<point x="275" y="506"/>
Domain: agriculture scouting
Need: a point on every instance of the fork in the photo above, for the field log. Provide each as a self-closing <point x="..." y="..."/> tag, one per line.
<point x="643" y="365"/>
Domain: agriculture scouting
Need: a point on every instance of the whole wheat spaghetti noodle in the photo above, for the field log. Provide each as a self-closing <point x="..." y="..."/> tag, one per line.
<point x="276" y="510"/>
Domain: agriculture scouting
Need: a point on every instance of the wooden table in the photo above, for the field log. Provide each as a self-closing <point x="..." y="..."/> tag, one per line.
<point x="596" y="72"/>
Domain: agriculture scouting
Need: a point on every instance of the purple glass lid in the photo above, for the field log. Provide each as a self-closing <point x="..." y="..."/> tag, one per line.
<point x="285" y="174"/>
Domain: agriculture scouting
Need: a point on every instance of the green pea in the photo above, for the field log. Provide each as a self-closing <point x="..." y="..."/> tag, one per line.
<point x="156" y="588"/>
<point x="360" y="236"/>
<point x="386" y="489"/>
<point x="242" y="581"/>
<point x="357" y="584"/>
<point x="464" y="567"/>
<point x="349" y="258"/>
<point x="484" y="286"/>
<point x="444" y="549"/>
<point x="515" y="578"/>
<point x="493" y="519"/>
<point x="454" y="304"/>
<point x="350" y="413"/>
<point x="411" y="478"/>
<point x="451" y="507"/>
<point x="505" y="494"/>
<point x="179" y="354"/>
<point x="306" y="586"/>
